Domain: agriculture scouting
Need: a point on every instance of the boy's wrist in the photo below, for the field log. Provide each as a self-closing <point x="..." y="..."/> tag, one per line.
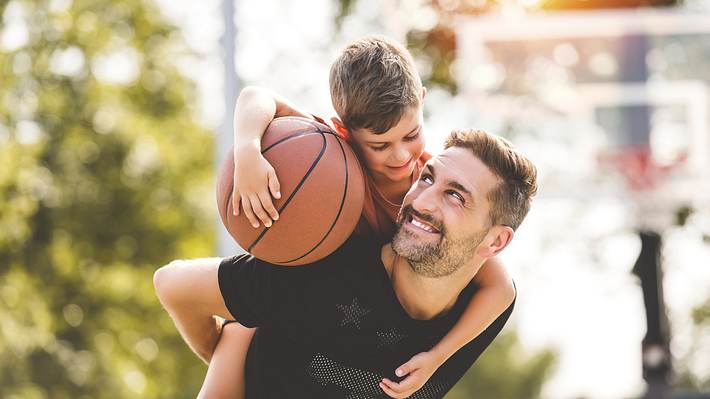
<point x="247" y="146"/>
<point x="439" y="355"/>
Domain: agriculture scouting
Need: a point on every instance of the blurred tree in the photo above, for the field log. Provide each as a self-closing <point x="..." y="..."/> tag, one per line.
<point x="505" y="371"/>
<point x="689" y="379"/>
<point x="104" y="176"/>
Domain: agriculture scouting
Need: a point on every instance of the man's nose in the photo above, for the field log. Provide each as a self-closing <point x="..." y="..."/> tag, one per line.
<point x="425" y="201"/>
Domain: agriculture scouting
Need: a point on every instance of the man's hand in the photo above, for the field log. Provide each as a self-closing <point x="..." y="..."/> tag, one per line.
<point x="418" y="371"/>
<point x="255" y="182"/>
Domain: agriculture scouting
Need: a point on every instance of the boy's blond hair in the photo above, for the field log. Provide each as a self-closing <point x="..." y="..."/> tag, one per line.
<point x="373" y="83"/>
<point x="511" y="199"/>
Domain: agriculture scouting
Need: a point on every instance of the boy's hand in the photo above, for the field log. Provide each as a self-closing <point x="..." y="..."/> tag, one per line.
<point x="418" y="371"/>
<point x="254" y="183"/>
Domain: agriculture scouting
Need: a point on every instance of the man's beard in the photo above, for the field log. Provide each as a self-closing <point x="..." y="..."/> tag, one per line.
<point x="433" y="259"/>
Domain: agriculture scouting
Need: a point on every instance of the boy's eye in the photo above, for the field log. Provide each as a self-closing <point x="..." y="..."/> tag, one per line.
<point x="380" y="148"/>
<point x="426" y="178"/>
<point x="412" y="137"/>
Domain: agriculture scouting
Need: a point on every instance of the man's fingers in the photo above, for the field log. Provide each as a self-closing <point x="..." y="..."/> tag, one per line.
<point x="268" y="206"/>
<point x="274" y="185"/>
<point x="246" y="205"/>
<point x="259" y="210"/>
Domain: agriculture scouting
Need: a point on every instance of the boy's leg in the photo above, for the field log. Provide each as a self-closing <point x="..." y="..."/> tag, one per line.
<point x="226" y="373"/>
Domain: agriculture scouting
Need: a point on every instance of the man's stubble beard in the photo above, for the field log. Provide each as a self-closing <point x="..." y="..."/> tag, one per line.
<point x="434" y="259"/>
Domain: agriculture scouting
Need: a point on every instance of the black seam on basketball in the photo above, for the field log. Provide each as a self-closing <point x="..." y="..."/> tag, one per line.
<point x="295" y="190"/>
<point x="340" y="210"/>
<point x="226" y="206"/>
<point x="294" y="135"/>
<point x="298" y="134"/>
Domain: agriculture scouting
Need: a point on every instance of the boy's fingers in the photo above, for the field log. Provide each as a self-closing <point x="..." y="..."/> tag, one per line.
<point x="236" y="199"/>
<point x="268" y="205"/>
<point x="274" y="185"/>
<point x="246" y="205"/>
<point x="396" y="387"/>
<point x="259" y="210"/>
<point x="389" y="391"/>
<point x="403" y="370"/>
<point x="405" y="385"/>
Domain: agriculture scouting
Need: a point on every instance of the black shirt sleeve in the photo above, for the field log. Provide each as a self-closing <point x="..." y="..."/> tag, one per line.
<point x="245" y="284"/>
<point x="258" y="293"/>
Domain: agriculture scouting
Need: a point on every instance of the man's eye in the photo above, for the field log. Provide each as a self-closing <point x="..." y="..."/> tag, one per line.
<point x="456" y="195"/>
<point x="380" y="148"/>
<point x="426" y="178"/>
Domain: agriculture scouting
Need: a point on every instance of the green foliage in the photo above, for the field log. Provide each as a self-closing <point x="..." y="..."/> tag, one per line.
<point x="687" y="379"/>
<point x="101" y="182"/>
<point x="505" y="371"/>
<point x="437" y="48"/>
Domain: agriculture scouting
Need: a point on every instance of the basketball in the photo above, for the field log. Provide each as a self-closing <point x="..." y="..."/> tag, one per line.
<point x="322" y="192"/>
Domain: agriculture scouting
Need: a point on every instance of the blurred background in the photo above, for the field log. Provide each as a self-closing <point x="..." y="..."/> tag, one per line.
<point x="114" y="114"/>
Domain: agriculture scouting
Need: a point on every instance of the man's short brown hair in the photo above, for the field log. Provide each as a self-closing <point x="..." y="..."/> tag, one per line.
<point x="373" y="83"/>
<point x="510" y="200"/>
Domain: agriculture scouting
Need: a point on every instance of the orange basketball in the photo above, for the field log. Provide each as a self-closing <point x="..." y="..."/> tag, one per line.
<point x="322" y="192"/>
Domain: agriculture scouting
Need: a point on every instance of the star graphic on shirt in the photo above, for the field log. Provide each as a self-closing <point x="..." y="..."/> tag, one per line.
<point x="352" y="314"/>
<point x="389" y="338"/>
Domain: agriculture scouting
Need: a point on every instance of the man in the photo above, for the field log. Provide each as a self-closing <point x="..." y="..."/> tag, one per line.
<point x="340" y="327"/>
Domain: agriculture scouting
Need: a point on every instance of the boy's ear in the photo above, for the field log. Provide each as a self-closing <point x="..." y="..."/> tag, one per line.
<point x="338" y="123"/>
<point x="423" y="92"/>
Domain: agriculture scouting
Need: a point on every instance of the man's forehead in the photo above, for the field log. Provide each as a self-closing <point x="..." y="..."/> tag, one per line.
<point x="462" y="166"/>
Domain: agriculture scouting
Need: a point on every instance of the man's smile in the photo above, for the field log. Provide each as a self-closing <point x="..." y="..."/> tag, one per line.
<point x="421" y="224"/>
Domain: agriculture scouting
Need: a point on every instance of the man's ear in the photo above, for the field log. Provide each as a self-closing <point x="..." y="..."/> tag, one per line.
<point x="496" y="240"/>
<point x="423" y="92"/>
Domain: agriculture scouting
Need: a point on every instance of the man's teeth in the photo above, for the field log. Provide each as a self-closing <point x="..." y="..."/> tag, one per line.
<point x="423" y="226"/>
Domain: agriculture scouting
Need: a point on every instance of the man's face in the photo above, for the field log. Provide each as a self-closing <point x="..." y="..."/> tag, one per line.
<point x="445" y="215"/>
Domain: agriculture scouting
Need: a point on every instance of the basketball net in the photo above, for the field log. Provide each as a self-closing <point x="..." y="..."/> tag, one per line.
<point x="639" y="169"/>
<point x="644" y="177"/>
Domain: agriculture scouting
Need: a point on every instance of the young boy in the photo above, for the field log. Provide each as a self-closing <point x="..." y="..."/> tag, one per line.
<point x="378" y="97"/>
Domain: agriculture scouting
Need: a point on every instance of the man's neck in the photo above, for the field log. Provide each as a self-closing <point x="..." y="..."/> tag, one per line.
<point x="425" y="298"/>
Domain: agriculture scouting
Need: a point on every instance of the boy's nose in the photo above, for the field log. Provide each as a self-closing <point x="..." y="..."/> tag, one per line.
<point x="401" y="155"/>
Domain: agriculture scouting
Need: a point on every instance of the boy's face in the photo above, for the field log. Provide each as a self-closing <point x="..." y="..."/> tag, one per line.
<point x="392" y="155"/>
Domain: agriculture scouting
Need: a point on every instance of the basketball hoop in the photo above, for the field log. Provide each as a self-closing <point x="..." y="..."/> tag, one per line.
<point x="638" y="167"/>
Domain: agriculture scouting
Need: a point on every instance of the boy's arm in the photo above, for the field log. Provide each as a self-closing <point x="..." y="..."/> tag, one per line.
<point x="189" y="291"/>
<point x="255" y="180"/>
<point x="226" y="373"/>
<point x="495" y="294"/>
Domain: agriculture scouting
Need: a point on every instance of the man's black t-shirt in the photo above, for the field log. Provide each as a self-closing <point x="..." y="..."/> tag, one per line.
<point x="335" y="328"/>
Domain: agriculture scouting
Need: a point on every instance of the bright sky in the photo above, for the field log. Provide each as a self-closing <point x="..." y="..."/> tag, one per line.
<point x="571" y="259"/>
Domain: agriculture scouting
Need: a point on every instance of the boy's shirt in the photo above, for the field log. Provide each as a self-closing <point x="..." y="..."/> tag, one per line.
<point x="378" y="213"/>
<point x="335" y="328"/>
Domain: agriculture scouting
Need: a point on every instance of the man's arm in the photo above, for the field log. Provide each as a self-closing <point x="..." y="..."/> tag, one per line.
<point x="189" y="291"/>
